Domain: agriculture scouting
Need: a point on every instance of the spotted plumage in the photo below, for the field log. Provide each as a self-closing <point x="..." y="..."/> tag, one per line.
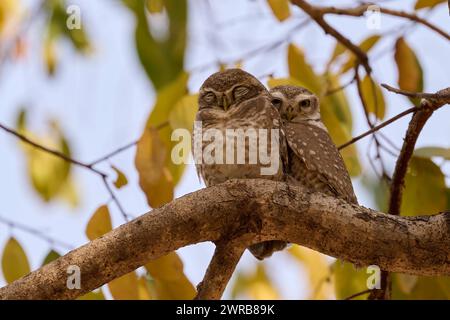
<point x="313" y="159"/>
<point x="234" y="99"/>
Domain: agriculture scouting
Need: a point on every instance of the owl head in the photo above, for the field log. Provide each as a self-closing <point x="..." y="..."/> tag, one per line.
<point x="295" y="104"/>
<point x="225" y="89"/>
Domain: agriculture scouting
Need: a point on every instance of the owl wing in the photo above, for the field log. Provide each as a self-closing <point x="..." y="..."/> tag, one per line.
<point x="314" y="147"/>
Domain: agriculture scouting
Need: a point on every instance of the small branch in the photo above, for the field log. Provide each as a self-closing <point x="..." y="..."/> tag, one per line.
<point x="443" y="95"/>
<point x="221" y="268"/>
<point x="360" y="10"/>
<point x="114" y="153"/>
<point x="35" y="232"/>
<point x="317" y="14"/>
<point x="64" y="157"/>
<point x="378" y="127"/>
<point x="353" y="296"/>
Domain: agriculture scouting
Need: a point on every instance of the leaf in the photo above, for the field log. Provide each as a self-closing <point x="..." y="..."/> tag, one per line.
<point x="154" y="178"/>
<point x="121" y="178"/>
<point x="318" y="271"/>
<point x="373" y="97"/>
<point x="99" y="224"/>
<point x="51" y="256"/>
<point x="423" y="288"/>
<point x="349" y="281"/>
<point x="10" y="14"/>
<point x="254" y="286"/>
<point x="300" y="70"/>
<point x="14" y="261"/>
<point x="410" y="74"/>
<point x="366" y="45"/>
<point x="169" y="280"/>
<point x="93" y="295"/>
<point x="425" y="189"/>
<point x="155" y="6"/>
<point x="420" y="4"/>
<point x="184" y="112"/>
<point x="429" y="152"/>
<point x="143" y="289"/>
<point x="162" y="60"/>
<point x="125" y="288"/>
<point x="280" y="9"/>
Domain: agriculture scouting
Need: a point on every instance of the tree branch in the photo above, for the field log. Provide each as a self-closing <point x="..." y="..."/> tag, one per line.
<point x="220" y="270"/>
<point x="248" y="212"/>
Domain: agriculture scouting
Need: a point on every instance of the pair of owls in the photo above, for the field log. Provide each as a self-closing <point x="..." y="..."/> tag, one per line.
<point x="234" y="99"/>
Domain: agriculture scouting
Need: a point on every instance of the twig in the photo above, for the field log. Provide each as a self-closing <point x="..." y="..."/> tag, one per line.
<point x="358" y="294"/>
<point x="114" y="153"/>
<point x="317" y="14"/>
<point x="433" y="96"/>
<point x="64" y="157"/>
<point x="418" y="121"/>
<point x="221" y="268"/>
<point x="360" y="10"/>
<point x="35" y="232"/>
<point x="378" y="127"/>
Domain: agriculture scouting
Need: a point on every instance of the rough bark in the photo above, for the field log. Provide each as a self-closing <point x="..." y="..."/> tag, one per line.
<point x="247" y="212"/>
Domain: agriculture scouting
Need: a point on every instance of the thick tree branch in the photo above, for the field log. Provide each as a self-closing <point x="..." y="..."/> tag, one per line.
<point x="248" y="212"/>
<point x="220" y="270"/>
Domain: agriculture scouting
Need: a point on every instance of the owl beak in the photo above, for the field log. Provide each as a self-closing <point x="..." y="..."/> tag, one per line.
<point x="225" y="103"/>
<point x="290" y="113"/>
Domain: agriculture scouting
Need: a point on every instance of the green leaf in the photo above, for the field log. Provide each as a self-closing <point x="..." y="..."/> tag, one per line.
<point x="163" y="60"/>
<point x="410" y="74"/>
<point x="155" y="6"/>
<point x="405" y="287"/>
<point x="99" y="224"/>
<point x="14" y="261"/>
<point x="429" y="152"/>
<point x="169" y="281"/>
<point x="425" y="189"/>
<point x="51" y="256"/>
<point x="121" y="178"/>
<point x="420" y="4"/>
<point x="280" y="9"/>
<point x="349" y="281"/>
<point x="373" y="97"/>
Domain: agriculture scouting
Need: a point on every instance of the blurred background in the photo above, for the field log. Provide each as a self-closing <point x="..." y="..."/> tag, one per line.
<point x="132" y="65"/>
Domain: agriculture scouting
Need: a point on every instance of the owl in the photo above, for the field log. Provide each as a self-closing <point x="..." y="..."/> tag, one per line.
<point x="313" y="159"/>
<point x="230" y="101"/>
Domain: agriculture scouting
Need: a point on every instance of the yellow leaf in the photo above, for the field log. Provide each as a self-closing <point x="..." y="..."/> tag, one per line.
<point x="420" y="4"/>
<point x="365" y="46"/>
<point x="405" y="282"/>
<point x="99" y="224"/>
<point x="14" y="261"/>
<point x="300" y="70"/>
<point x="121" y="178"/>
<point x="318" y="271"/>
<point x="9" y="16"/>
<point x="425" y="189"/>
<point x="255" y="286"/>
<point x="125" y="288"/>
<point x="280" y="9"/>
<point x="51" y="256"/>
<point x="373" y="97"/>
<point x="50" y="56"/>
<point x="93" y="295"/>
<point x="143" y="289"/>
<point x="349" y="281"/>
<point x="169" y="280"/>
<point x="423" y="288"/>
<point x="154" y="178"/>
<point x="183" y="114"/>
<point x="410" y="74"/>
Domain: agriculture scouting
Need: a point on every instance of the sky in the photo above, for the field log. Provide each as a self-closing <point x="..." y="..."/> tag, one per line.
<point x="102" y="102"/>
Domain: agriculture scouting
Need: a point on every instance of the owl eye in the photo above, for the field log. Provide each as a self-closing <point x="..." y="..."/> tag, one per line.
<point x="277" y="103"/>
<point x="305" y="104"/>
<point x="209" y="97"/>
<point x="240" y="91"/>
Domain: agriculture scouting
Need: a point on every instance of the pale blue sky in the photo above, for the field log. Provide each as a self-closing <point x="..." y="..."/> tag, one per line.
<point x="102" y="102"/>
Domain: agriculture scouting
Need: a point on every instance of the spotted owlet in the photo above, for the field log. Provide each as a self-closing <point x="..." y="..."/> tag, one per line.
<point x="314" y="161"/>
<point x="234" y="104"/>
